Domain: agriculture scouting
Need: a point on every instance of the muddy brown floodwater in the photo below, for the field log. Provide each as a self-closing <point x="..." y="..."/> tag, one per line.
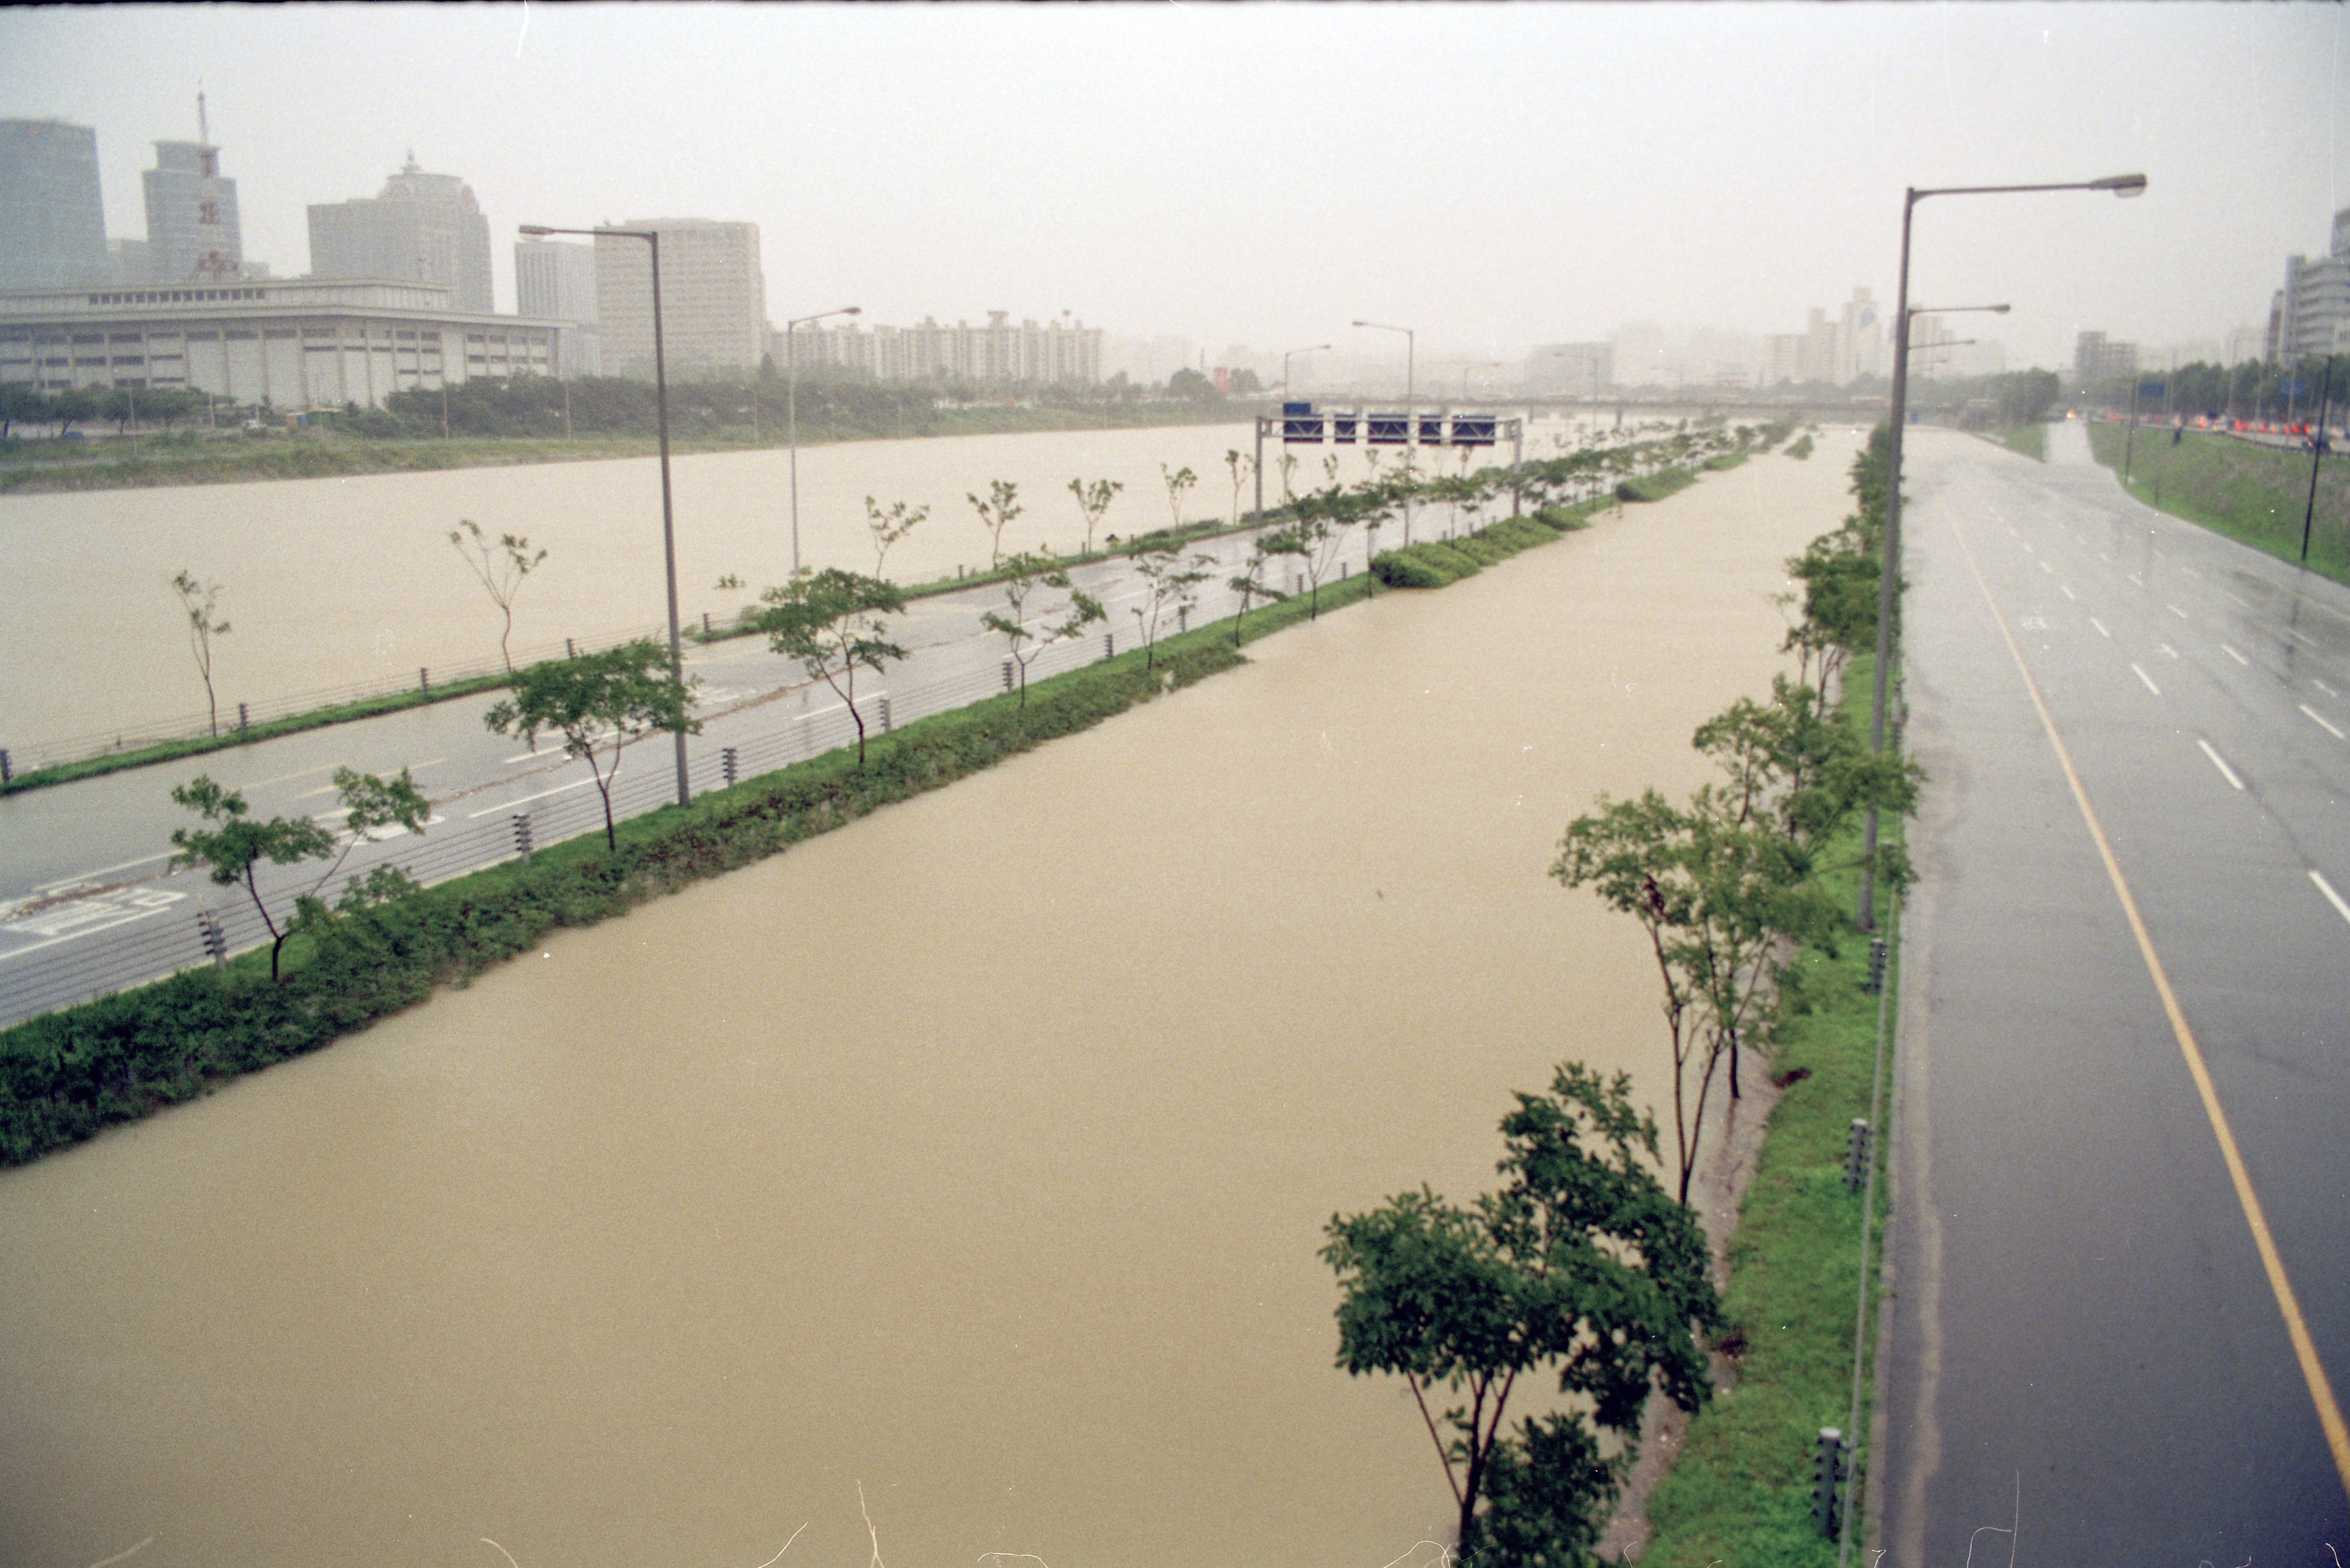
<point x="977" y="1153"/>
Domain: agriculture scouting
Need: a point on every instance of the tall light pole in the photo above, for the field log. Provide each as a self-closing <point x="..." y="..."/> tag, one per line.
<point x="1865" y="916"/>
<point x="1291" y="354"/>
<point x="661" y="404"/>
<point x="792" y="408"/>
<point x="1410" y="346"/>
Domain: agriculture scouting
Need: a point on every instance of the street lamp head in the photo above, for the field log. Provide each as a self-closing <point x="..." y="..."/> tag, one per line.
<point x="2121" y="184"/>
<point x="854" y="310"/>
<point x="535" y="229"/>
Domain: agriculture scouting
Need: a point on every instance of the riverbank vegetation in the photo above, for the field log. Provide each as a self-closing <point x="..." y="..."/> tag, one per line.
<point x="2257" y="495"/>
<point x="2031" y="440"/>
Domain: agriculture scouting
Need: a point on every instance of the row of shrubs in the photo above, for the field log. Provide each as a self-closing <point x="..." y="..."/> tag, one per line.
<point x="66" y="1075"/>
<point x="1433" y="563"/>
<point x="1658" y="485"/>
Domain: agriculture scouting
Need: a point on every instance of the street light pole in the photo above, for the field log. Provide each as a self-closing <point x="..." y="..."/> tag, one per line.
<point x="792" y="408"/>
<point x="1410" y="346"/>
<point x="661" y="404"/>
<point x="1865" y="915"/>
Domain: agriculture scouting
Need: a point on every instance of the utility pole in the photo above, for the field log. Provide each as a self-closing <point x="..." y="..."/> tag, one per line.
<point x="2316" y="456"/>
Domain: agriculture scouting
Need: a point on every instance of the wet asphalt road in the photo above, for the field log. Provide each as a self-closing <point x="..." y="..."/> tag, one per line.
<point x="2085" y="1344"/>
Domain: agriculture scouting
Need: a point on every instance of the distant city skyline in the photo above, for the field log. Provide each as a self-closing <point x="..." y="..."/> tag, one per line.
<point x="1239" y="173"/>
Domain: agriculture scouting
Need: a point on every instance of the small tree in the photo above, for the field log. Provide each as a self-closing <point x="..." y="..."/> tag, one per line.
<point x="889" y="527"/>
<point x="1028" y="573"/>
<point x="1241" y="466"/>
<point x="1582" y="1264"/>
<point x="1092" y="499"/>
<point x="1178" y="481"/>
<point x="831" y="624"/>
<point x="596" y="702"/>
<point x="995" y="513"/>
<point x="202" y="602"/>
<point x="501" y="569"/>
<point x="231" y="850"/>
<point x="1249" y="584"/>
<point x="1170" y="582"/>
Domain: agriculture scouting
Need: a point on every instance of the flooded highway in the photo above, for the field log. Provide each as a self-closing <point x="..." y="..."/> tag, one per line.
<point x="974" y="1155"/>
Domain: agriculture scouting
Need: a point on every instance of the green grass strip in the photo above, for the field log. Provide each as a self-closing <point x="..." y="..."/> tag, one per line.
<point x="1742" y="1490"/>
<point x="2256" y="495"/>
<point x="2031" y="440"/>
<point x="292" y="723"/>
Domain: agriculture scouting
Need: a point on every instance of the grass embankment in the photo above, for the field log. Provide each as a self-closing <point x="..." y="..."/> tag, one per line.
<point x="2254" y="494"/>
<point x="67" y="1076"/>
<point x="291" y="724"/>
<point x="190" y="457"/>
<point x="1740" y="1491"/>
<point x="1658" y="485"/>
<point x="2031" y="440"/>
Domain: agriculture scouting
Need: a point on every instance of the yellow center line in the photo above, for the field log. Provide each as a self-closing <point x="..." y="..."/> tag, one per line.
<point x="2305" y="1348"/>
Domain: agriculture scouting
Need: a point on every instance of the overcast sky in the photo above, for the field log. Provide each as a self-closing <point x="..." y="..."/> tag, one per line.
<point x="1493" y="176"/>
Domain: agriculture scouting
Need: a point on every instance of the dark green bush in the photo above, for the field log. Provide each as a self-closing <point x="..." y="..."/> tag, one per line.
<point x="1407" y="569"/>
<point x="1655" y="486"/>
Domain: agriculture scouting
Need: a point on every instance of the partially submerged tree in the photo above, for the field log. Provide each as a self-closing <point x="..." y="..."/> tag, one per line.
<point x="1171" y="584"/>
<point x="234" y="845"/>
<point x="995" y="513"/>
<point x="597" y="702"/>
<point x="889" y="527"/>
<point x="1092" y="499"/>
<point x="1178" y="481"/>
<point x="1249" y="584"/>
<point x="1241" y="466"/>
<point x="501" y="569"/>
<point x="832" y="624"/>
<point x="201" y="601"/>
<point x="1580" y="1264"/>
<point x="1026" y="574"/>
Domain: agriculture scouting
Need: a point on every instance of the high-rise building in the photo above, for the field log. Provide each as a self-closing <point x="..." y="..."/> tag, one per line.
<point x="1860" y="343"/>
<point x="192" y="233"/>
<point x="1032" y="354"/>
<point x="713" y="297"/>
<point x="2095" y="358"/>
<point x="52" y="224"/>
<point x="421" y="228"/>
<point x="2312" y="314"/>
<point x="558" y="282"/>
<point x="1572" y="369"/>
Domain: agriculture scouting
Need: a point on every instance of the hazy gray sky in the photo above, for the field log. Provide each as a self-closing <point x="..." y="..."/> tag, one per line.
<point x="1494" y="176"/>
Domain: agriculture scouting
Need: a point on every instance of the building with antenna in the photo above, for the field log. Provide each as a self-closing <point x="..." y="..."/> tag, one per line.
<point x="420" y="228"/>
<point x="192" y="233"/>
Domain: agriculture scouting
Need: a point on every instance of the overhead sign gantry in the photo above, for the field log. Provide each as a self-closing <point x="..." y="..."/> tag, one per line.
<point x="1300" y="425"/>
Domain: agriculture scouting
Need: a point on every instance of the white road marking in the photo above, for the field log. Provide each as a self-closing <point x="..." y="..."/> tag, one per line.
<point x="530" y="756"/>
<point x="2322" y="686"/>
<point x="2105" y="558"/>
<point x="2068" y="593"/>
<point x="102" y="871"/>
<point x="2101" y="626"/>
<point x="2245" y="602"/>
<point x="2220" y="762"/>
<point x="2047" y="568"/>
<point x="2189" y="570"/>
<point x="2137" y="579"/>
<point x="2296" y="633"/>
<point x="288" y="778"/>
<point x="2167" y="649"/>
<point x="2234" y="655"/>
<point x="2332" y="897"/>
<point x="2176" y="610"/>
<point x="2329" y="728"/>
<point x="2150" y="685"/>
<point x="79" y="920"/>
<point x="524" y="800"/>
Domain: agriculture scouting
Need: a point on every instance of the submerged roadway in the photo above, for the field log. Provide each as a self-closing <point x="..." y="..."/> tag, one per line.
<point x="2119" y="1327"/>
